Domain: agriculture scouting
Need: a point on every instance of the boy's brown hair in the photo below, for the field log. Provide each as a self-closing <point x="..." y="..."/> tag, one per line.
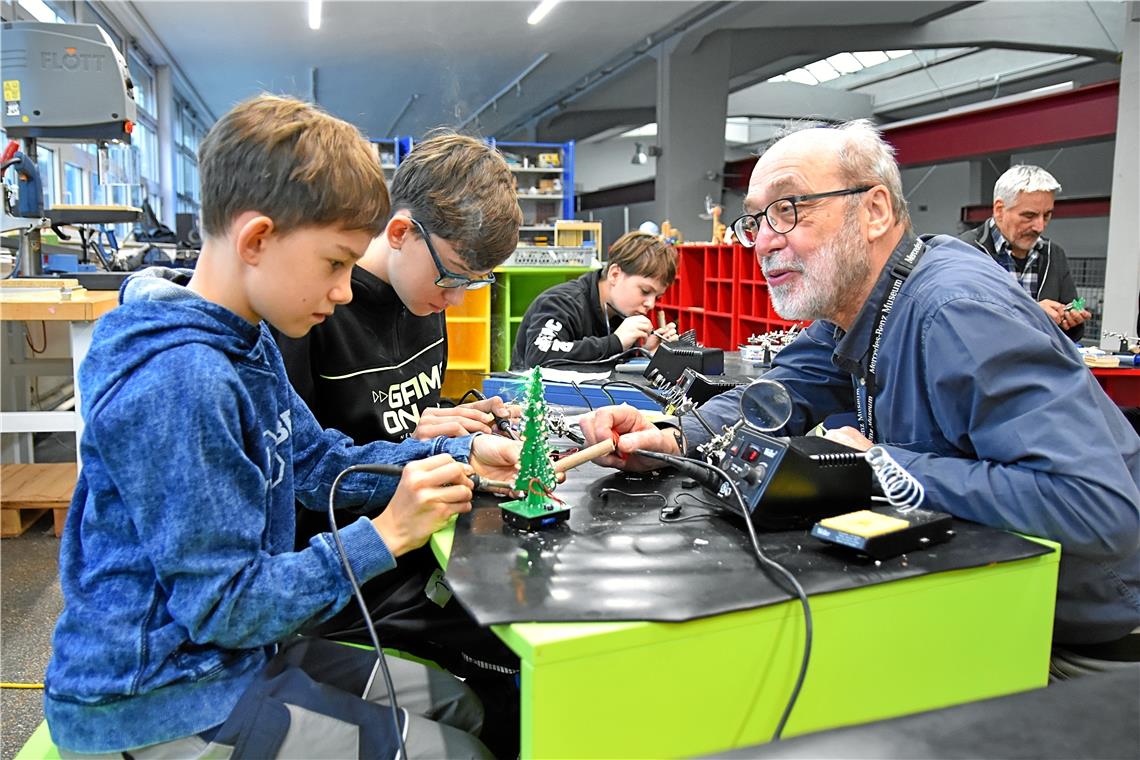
<point x="292" y="162"/>
<point x="641" y="254"/>
<point x="462" y="190"/>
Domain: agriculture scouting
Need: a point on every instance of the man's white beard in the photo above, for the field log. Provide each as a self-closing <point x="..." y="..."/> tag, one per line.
<point x="827" y="280"/>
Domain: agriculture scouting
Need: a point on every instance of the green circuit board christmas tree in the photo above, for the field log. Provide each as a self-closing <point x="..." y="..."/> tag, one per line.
<point x="538" y="508"/>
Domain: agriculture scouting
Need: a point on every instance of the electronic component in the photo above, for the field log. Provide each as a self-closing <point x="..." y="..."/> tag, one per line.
<point x="699" y="388"/>
<point x="886" y="534"/>
<point x="534" y="518"/>
<point x="790" y="483"/>
<point x="671" y="359"/>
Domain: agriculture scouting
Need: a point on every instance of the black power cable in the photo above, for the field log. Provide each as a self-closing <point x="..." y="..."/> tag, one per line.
<point x="379" y="469"/>
<point x="693" y="468"/>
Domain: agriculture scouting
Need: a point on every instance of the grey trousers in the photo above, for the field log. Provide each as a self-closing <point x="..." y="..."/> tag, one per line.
<point x="441" y="716"/>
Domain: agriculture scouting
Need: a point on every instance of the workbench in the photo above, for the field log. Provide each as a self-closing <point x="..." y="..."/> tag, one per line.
<point x="649" y="689"/>
<point x="47" y="300"/>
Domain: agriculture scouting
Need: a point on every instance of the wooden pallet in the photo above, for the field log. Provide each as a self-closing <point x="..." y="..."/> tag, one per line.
<point x="27" y="491"/>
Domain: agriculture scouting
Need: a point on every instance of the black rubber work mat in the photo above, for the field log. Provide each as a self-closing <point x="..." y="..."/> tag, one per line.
<point x="616" y="560"/>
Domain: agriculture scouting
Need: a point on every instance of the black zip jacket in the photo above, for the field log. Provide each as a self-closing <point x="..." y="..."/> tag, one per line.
<point x="567" y="324"/>
<point x="1055" y="281"/>
<point x="371" y="368"/>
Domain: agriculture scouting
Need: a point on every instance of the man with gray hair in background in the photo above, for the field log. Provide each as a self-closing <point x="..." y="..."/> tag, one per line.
<point x="1023" y="208"/>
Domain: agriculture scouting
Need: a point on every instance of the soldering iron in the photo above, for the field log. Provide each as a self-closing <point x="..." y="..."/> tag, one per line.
<point x="480" y="483"/>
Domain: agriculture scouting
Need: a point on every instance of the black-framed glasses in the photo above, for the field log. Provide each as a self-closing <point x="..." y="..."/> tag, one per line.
<point x="782" y="214"/>
<point x="449" y="279"/>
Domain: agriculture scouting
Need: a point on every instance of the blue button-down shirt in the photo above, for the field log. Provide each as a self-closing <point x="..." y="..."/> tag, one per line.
<point x="984" y="401"/>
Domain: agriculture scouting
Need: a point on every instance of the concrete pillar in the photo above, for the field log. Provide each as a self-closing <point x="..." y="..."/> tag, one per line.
<point x="167" y="153"/>
<point x="692" y="102"/>
<point x="1122" y="268"/>
<point x="984" y="173"/>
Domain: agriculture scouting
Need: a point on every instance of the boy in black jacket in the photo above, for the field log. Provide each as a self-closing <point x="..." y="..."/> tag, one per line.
<point x="374" y="370"/>
<point x="600" y="314"/>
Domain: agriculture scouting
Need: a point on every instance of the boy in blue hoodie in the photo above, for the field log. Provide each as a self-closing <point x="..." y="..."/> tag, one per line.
<point x="182" y="592"/>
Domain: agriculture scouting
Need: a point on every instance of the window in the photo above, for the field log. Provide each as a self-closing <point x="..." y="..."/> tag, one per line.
<point x="41" y="11"/>
<point x="45" y="162"/>
<point x="188" y="132"/>
<point x="837" y="65"/>
<point x="75" y="189"/>
<point x="93" y="16"/>
<point x="143" y="78"/>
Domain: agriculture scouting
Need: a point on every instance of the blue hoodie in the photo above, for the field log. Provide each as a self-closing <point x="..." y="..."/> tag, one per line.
<point x="176" y="561"/>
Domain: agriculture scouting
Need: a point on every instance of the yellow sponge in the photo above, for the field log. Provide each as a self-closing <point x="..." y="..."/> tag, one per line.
<point x="864" y="523"/>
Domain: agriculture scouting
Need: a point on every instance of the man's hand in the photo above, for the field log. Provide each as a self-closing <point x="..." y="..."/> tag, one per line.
<point x="476" y="417"/>
<point x="430" y="491"/>
<point x="1073" y="317"/>
<point x="661" y="335"/>
<point x="633" y="329"/>
<point x="634" y="432"/>
<point x="849" y="436"/>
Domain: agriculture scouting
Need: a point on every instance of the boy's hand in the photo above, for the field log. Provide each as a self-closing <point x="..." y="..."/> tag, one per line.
<point x="431" y="491"/>
<point x="476" y="417"/>
<point x="661" y="335"/>
<point x="633" y="329"/>
<point x="495" y="458"/>
<point x="634" y="432"/>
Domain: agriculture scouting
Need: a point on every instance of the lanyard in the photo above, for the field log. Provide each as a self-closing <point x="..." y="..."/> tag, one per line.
<point x="865" y="388"/>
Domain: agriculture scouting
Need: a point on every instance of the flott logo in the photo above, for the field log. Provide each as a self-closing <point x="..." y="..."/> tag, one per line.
<point x="71" y="60"/>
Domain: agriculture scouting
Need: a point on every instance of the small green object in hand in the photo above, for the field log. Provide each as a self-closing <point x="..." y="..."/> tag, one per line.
<point x="1077" y="304"/>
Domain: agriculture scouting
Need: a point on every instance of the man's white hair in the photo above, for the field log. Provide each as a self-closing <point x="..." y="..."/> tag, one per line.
<point x="864" y="158"/>
<point x="1024" y="178"/>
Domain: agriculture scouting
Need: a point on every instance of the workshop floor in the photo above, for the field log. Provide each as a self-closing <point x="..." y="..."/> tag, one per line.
<point x="30" y="602"/>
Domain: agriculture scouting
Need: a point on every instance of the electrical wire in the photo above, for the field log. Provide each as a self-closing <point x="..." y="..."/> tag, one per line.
<point x="585" y="398"/>
<point x="43" y="336"/>
<point x="780" y="570"/>
<point x="471" y="392"/>
<point x="652" y="395"/>
<point x="901" y="489"/>
<point x="380" y="660"/>
<point x="636" y="350"/>
<point x="607" y="491"/>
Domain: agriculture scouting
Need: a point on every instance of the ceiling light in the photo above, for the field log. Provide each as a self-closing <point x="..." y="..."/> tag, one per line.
<point x="314" y="14"/>
<point x="539" y="13"/>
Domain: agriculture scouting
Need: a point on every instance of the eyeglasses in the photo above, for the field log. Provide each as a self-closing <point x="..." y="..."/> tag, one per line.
<point x="782" y="215"/>
<point x="448" y="279"/>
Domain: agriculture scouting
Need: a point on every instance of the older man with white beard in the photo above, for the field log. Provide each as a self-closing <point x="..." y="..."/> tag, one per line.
<point x="949" y="365"/>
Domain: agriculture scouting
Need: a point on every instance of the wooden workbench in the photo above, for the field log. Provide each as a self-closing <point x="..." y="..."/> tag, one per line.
<point x="27" y="489"/>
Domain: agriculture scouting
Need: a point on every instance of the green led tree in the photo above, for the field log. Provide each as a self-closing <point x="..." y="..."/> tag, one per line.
<point x="536" y="479"/>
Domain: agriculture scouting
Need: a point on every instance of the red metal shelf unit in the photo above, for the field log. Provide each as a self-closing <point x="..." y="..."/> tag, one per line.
<point x="721" y="294"/>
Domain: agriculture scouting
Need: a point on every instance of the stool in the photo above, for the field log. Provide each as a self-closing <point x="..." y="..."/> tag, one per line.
<point x="29" y="490"/>
<point x="39" y="745"/>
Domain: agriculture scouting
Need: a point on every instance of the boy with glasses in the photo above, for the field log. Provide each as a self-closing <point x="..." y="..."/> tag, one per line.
<point x="374" y="370"/>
